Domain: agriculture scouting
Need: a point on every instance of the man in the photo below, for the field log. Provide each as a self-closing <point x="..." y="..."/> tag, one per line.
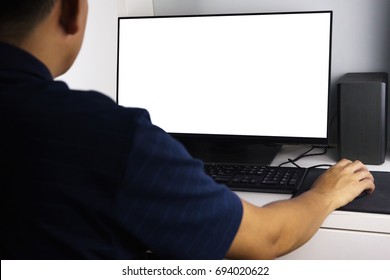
<point x="85" y="178"/>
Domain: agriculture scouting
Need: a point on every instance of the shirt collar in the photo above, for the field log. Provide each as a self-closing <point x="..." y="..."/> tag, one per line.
<point x="13" y="59"/>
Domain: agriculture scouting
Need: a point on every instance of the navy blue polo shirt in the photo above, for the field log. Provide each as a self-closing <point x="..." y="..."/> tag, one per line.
<point x="83" y="178"/>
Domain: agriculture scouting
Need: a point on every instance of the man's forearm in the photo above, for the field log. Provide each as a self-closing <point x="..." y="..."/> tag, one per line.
<point x="296" y="221"/>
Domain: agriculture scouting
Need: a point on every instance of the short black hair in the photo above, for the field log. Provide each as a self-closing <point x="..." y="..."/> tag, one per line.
<point x="20" y="17"/>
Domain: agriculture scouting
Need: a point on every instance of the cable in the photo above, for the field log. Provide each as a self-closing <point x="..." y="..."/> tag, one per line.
<point x="306" y="154"/>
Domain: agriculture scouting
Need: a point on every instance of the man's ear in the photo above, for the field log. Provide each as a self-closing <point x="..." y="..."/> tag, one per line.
<point x="69" y="19"/>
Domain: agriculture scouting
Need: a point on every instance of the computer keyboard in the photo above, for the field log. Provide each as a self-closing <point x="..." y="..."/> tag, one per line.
<point x="257" y="178"/>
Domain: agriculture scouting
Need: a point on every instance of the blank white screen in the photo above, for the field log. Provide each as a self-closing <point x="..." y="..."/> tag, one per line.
<point x="251" y="75"/>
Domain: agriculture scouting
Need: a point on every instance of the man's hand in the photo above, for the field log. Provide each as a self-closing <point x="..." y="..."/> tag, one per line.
<point x="344" y="182"/>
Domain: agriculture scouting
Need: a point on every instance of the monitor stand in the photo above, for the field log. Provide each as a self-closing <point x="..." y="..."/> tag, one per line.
<point x="232" y="152"/>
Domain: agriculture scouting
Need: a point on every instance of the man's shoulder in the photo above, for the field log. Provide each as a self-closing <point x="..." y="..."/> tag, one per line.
<point x="93" y="104"/>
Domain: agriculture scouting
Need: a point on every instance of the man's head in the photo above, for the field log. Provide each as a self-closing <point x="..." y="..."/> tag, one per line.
<point x="51" y="30"/>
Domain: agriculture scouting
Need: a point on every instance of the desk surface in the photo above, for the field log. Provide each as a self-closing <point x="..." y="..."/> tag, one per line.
<point x="344" y="220"/>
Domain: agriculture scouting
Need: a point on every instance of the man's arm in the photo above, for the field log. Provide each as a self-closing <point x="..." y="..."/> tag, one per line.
<point x="278" y="228"/>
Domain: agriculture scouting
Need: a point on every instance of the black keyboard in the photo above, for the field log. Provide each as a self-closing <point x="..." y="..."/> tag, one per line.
<point x="257" y="178"/>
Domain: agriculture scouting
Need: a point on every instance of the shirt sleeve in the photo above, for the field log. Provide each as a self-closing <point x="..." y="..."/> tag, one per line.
<point x="170" y="205"/>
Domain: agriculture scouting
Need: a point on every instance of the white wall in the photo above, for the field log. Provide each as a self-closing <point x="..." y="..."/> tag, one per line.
<point x="135" y="7"/>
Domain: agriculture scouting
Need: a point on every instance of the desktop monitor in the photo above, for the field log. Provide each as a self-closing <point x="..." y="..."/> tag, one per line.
<point x="232" y="88"/>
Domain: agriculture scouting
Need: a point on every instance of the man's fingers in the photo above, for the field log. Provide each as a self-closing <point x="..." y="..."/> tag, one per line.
<point x="368" y="183"/>
<point x="343" y="163"/>
<point x="362" y="174"/>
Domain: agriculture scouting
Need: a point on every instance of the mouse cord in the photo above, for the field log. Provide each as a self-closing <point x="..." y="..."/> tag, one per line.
<point x="308" y="154"/>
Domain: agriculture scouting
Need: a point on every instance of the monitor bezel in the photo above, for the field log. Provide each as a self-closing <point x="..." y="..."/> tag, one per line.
<point x="250" y="139"/>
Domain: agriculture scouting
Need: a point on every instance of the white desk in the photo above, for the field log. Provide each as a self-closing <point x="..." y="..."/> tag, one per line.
<point x="343" y="235"/>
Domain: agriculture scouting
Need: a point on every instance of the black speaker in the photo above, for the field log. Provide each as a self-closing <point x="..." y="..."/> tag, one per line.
<point x="362" y="115"/>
